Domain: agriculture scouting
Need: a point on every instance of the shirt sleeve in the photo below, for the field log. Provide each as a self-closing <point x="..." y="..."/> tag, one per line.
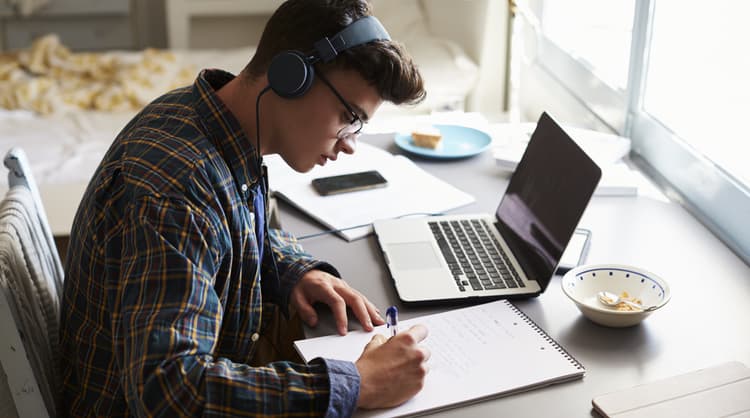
<point x="291" y="263"/>
<point x="166" y="318"/>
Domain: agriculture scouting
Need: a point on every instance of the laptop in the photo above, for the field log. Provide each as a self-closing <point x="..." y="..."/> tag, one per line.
<point x="513" y="254"/>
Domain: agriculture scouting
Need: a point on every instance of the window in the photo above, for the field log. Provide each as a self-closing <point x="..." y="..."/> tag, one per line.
<point x="586" y="46"/>
<point x="698" y="82"/>
<point x="671" y="75"/>
<point x="601" y="39"/>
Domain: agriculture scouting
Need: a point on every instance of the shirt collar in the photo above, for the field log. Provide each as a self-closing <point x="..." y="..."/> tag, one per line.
<point x="223" y="129"/>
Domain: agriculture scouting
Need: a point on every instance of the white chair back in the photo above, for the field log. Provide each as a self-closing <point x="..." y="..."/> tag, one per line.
<point x="31" y="278"/>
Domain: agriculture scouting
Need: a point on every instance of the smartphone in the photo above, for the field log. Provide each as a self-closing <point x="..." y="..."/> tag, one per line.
<point x="576" y="251"/>
<point x="326" y="186"/>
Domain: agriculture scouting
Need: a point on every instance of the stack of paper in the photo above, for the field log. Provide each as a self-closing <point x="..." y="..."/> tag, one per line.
<point x="607" y="150"/>
<point x="410" y="191"/>
<point x="716" y="391"/>
<point x="512" y="139"/>
<point x="618" y="180"/>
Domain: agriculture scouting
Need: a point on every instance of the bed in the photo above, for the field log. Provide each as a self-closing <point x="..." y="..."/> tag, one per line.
<point x="65" y="146"/>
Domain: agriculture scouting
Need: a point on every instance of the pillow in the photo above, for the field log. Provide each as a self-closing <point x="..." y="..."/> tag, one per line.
<point x="449" y="74"/>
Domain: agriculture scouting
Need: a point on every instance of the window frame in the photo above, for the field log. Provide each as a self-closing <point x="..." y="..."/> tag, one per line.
<point x="711" y="194"/>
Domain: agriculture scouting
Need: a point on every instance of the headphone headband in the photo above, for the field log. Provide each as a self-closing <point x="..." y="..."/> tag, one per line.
<point x="359" y="32"/>
<point x="291" y="73"/>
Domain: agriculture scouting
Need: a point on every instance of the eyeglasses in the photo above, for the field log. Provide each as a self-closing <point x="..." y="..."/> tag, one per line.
<point x="352" y="130"/>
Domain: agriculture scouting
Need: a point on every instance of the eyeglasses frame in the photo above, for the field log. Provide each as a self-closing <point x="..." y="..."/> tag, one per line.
<point x="355" y="116"/>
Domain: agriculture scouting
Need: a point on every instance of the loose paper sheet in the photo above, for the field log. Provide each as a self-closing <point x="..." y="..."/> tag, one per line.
<point x="410" y="190"/>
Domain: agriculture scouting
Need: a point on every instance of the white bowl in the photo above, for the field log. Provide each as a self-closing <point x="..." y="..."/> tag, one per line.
<point x="582" y="284"/>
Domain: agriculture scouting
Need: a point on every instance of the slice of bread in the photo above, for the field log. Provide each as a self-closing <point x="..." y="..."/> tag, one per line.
<point x="427" y="137"/>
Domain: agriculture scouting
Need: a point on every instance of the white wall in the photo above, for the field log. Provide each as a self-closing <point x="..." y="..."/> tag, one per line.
<point x="88" y="24"/>
<point x="148" y="23"/>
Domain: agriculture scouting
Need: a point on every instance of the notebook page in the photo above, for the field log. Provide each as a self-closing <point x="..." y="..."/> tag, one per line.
<point x="477" y="352"/>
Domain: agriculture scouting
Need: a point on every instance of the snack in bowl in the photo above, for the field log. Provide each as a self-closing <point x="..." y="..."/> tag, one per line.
<point x="584" y="284"/>
<point x="624" y="305"/>
<point x="427" y="137"/>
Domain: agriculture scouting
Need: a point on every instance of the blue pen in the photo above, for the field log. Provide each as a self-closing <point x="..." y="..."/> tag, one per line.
<point x="391" y="319"/>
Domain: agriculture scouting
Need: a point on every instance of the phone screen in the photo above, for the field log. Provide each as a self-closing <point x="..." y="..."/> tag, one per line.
<point x="576" y="251"/>
<point x="348" y="182"/>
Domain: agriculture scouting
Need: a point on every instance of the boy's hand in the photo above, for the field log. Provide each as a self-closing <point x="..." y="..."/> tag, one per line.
<point x="319" y="286"/>
<point x="392" y="371"/>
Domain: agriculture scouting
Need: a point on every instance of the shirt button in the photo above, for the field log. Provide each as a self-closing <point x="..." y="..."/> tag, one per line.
<point x="244" y="188"/>
<point x="255" y="337"/>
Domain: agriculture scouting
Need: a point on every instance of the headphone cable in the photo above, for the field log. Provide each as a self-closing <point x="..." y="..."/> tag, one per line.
<point x="264" y="190"/>
<point x="333" y="231"/>
<point x="259" y="159"/>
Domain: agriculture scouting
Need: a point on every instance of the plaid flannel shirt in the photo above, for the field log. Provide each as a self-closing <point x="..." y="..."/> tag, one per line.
<point x="163" y="295"/>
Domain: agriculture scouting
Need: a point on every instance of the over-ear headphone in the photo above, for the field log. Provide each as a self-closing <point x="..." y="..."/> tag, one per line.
<point x="291" y="73"/>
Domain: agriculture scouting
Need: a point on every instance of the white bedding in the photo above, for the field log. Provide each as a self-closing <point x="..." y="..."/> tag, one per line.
<point x="64" y="149"/>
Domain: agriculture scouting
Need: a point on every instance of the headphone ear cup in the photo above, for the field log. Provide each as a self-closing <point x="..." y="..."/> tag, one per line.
<point x="290" y="74"/>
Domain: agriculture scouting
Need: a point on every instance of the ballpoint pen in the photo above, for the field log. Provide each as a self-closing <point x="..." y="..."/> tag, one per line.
<point x="391" y="319"/>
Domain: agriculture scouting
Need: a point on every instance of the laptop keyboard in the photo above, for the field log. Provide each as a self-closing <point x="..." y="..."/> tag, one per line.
<point x="474" y="256"/>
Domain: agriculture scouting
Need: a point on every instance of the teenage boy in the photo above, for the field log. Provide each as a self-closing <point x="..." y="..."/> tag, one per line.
<point x="179" y="300"/>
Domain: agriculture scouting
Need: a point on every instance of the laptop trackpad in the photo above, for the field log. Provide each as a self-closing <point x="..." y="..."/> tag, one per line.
<point x="413" y="256"/>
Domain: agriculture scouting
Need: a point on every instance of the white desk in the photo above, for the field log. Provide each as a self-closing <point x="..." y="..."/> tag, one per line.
<point x="705" y="323"/>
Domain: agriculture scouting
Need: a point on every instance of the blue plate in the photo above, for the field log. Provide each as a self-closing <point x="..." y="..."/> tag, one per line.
<point x="458" y="142"/>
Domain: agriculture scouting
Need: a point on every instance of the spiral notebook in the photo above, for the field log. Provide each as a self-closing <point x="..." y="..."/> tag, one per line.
<point x="478" y="353"/>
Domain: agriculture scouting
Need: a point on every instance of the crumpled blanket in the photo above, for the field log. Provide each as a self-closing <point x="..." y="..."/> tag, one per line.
<point x="48" y="78"/>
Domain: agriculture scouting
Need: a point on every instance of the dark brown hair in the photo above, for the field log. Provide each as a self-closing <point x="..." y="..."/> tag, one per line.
<point x="298" y="24"/>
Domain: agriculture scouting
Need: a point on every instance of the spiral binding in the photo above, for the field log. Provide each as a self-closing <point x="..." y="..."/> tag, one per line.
<point x="545" y="336"/>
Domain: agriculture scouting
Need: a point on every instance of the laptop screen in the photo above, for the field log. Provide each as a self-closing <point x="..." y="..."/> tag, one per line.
<point x="545" y="199"/>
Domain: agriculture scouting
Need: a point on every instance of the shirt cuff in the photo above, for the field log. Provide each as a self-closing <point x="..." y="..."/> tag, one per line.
<point x="344" y="387"/>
